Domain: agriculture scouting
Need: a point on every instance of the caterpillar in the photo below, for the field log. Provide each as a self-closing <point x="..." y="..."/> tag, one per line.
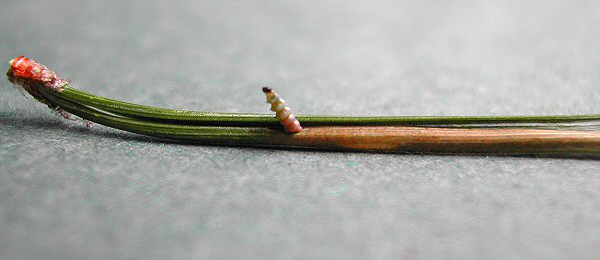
<point x="284" y="114"/>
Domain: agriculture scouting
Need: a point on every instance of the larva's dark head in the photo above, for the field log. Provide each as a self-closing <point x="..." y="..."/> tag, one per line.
<point x="267" y="89"/>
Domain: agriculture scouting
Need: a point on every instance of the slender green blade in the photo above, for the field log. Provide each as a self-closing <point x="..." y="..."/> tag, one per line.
<point x="252" y="119"/>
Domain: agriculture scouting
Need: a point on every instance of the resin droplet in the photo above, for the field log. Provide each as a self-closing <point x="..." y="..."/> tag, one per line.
<point x="25" y="70"/>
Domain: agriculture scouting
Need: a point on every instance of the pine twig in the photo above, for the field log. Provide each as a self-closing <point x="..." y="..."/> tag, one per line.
<point x="439" y="135"/>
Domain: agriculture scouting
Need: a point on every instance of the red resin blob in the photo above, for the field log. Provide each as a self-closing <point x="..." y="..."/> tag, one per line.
<point x="29" y="69"/>
<point x="25" y="71"/>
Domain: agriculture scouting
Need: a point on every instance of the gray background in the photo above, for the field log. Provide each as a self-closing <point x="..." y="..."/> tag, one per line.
<point x="69" y="192"/>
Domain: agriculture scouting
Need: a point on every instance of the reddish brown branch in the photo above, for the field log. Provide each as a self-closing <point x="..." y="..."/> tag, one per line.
<point x="447" y="140"/>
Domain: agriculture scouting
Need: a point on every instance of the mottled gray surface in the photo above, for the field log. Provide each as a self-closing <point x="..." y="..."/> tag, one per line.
<point x="68" y="192"/>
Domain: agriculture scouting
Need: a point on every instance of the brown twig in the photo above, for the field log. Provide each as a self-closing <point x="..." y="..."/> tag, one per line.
<point x="448" y="140"/>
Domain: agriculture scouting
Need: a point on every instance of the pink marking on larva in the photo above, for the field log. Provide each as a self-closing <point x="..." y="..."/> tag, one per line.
<point x="283" y="113"/>
<point x="294" y="128"/>
<point x="288" y="120"/>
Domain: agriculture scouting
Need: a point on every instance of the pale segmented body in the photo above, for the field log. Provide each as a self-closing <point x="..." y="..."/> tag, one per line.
<point x="284" y="114"/>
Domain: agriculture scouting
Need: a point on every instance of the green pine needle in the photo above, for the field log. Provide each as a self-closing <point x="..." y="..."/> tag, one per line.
<point x="250" y="119"/>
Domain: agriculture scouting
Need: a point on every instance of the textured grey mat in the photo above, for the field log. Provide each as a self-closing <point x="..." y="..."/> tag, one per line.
<point x="68" y="192"/>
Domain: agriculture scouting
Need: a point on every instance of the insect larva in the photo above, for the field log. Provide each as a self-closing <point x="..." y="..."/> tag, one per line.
<point x="284" y="114"/>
